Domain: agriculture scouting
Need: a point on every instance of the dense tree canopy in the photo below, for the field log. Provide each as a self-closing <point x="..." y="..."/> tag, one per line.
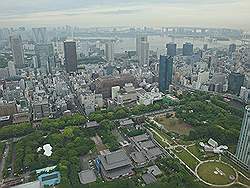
<point x="211" y="117"/>
<point x="15" y="130"/>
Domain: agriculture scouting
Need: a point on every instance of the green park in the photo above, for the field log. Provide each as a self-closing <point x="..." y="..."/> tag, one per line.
<point x="197" y="117"/>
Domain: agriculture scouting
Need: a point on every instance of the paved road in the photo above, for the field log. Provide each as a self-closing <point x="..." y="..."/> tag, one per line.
<point x="228" y="95"/>
<point x="169" y="109"/>
<point x="3" y="160"/>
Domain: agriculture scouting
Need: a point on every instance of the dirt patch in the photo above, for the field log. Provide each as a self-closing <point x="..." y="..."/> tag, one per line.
<point x="174" y="124"/>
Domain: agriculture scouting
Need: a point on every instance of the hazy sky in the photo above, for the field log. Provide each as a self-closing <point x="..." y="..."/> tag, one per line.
<point x="87" y="13"/>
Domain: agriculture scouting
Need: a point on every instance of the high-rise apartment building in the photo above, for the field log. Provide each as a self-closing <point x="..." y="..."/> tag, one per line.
<point x="243" y="147"/>
<point x="165" y="72"/>
<point x="70" y="56"/>
<point x="17" y="50"/>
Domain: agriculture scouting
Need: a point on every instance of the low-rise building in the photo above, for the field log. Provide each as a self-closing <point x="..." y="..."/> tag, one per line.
<point x="92" y="124"/>
<point x="50" y="179"/>
<point x="4" y="120"/>
<point x="114" y="165"/>
<point x="144" y="144"/>
<point x="147" y="98"/>
<point x="7" y="108"/>
<point x="127" y="95"/>
<point x="126" y="122"/>
<point x="35" y="184"/>
<point x="87" y="176"/>
<point x="41" y="109"/>
<point x="21" y="118"/>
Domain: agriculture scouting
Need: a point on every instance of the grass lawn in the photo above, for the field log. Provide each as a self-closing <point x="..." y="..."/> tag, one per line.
<point x="174" y="125"/>
<point x="188" y="159"/>
<point x="212" y="156"/>
<point x="244" y="180"/>
<point x="227" y="160"/>
<point x="178" y="149"/>
<point x="184" y="142"/>
<point x="206" y="171"/>
<point x="236" y="186"/>
<point x="196" y="151"/>
<point x="159" y="140"/>
<point x="232" y="148"/>
<point x="163" y="135"/>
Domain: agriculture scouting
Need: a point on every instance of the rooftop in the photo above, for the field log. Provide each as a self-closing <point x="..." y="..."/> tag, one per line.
<point x="154" y="152"/>
<point x="147" y="144"/>
<point x="126" y="121"/>
<point x="140" y="138"/>
<point x="4" y="118"/>
<point x="47" y="169"/>
<point x="138" y="157"/>
<point x="91" y="124"/>
<point x="35" y="184"/>
<point x="87" y="176"/>
<point x="154" y="170"/>
<point x="148" y="178"/>
<point x="115" y="160"/>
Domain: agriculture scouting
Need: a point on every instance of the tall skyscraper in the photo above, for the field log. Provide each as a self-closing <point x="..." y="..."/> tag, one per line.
<point x="171" y="49"/>
<point x="4" y="33"/>
<point x="12" y="68"/>
<point x="17" y="50"/>
<point x="205" y="47"/>
<point x="144" y="53"/>
<point x="109" y="51"/>
<point x="188" y="49"/>
<point x="70" y="56"/>
<point x="165" y="72"/>
<point x="232" y="49"/>
<point x="243" y="147"/>
<point x="43" y="53"/>
<point x="35" y="62"/>
<point x="139" y="40"/>
<point x="40" y="35"/>
<point x="235" y="81"/>
<point x="142" y="49"/>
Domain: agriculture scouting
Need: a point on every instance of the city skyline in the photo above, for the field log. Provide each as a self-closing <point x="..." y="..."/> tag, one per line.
<point x="124" y="94"/>
<point x="98" y="13"/>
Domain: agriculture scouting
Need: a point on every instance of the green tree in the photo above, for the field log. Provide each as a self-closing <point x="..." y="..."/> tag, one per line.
<point x="68" y="132"/>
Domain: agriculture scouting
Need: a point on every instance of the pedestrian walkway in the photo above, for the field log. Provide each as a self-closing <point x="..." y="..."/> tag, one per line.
<point x="184" y="147"/>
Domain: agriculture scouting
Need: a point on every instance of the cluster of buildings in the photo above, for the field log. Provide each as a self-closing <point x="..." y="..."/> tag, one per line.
<point x="48" y="75"/>
<point x="135" y="152"/>
<point x="45" y="177"/>
<point x="210" y="70"/>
